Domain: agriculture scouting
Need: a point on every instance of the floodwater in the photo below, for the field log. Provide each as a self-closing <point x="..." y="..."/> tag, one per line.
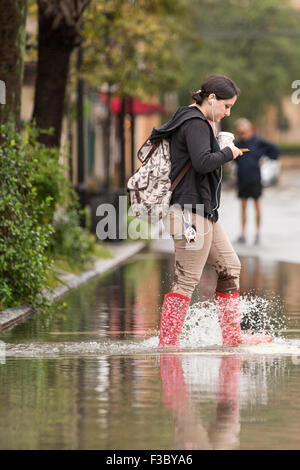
<point x="90" y="376"/>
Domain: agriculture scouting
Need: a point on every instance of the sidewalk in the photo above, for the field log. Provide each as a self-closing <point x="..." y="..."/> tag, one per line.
<point x="121" y="251"/>
<point x="280" y="231"/>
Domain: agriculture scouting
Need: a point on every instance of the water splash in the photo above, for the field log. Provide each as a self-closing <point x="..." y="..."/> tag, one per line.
<point x="201" y="334"/>
<point x="201" y="326"/>
<point x="258" y="315"/>
<point x="266" y="315"/>
<point x="81" y="348"/>
<point x="144" y="347"/>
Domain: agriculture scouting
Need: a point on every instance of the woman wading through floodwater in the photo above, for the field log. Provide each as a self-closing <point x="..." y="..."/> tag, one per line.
<point x="201" y="238"/>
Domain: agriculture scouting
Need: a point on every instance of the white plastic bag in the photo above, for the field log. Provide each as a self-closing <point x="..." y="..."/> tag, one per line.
<point x="269" y="170"/>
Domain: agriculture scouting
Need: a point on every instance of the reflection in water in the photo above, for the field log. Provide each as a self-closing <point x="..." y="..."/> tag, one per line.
<point x="190" y="433"/>
<point x="181" y="401"/>
<point x="236" y="382"/>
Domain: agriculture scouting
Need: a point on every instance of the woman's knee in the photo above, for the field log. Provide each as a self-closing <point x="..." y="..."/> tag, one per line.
<point x="184" y="282"/>
<point x="229" y="277"/>
<point x="182" y="289"/>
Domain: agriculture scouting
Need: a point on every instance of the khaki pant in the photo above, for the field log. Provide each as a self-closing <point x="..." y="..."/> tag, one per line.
<point x="211" y="246"/>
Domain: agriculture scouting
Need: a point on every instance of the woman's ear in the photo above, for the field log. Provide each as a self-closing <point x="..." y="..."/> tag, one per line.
<point x="211" y="98"/>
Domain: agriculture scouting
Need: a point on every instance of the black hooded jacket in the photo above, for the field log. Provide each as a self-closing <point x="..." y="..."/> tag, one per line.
<point x="192" y="138"/>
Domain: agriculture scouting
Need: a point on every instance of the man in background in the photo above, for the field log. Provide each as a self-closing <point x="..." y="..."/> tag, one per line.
<point x="248" y="171"/>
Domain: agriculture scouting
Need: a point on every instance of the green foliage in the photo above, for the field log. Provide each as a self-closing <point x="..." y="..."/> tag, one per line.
<point x="250" y="41"/>
<point x="132" y="45"/>
<point x="141" y="48"/>
<point x="49" y="180"/>
<point x="39" y="218"/>
<point x="100" y="251"/>
<point x="23" y="236"/>
<point x="69" y="240"/>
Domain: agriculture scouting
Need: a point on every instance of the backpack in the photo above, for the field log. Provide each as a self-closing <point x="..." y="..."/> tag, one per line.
<point x="150" y="187"/>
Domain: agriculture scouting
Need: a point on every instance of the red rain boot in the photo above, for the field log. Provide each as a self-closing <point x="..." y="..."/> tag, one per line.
<point x="230" y="322"/>
<point x="173" y="314"/>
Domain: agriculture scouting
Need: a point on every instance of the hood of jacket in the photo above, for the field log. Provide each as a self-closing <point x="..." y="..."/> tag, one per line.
<point x="179" y="117"/>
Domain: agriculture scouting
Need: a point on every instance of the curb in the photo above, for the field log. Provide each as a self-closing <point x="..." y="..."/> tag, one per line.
<point x="11" y="316"/>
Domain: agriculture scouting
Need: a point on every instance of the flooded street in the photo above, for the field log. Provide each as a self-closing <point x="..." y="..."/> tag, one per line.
<point x="141" y="141"/>
<point x="90" y="376"/>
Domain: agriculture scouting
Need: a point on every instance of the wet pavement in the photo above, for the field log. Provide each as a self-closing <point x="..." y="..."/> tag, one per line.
<point x="91" y="376"/>
<point x="280" y="230"/>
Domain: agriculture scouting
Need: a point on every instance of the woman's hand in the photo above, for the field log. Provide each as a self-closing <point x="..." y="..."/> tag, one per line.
<point x="235" y="150"/>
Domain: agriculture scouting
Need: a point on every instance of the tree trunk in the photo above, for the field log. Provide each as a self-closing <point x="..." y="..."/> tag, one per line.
<point x="12" y="46"/>
<point x="59" y="34"/>
<point x="122" y="143"/>
<point x="52" y="74"/>
<point x="132" y="132"/>
<point x="106" y="139"/>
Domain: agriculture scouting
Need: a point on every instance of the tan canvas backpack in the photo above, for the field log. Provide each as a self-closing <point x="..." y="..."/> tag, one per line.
<point x="150" y="187"/>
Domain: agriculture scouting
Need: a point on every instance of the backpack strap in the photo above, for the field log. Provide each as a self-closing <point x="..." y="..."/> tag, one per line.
<point x="180" y="176"/>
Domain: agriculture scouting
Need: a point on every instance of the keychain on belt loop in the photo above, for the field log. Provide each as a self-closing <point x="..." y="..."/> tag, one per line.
<point x="188" y="231"/>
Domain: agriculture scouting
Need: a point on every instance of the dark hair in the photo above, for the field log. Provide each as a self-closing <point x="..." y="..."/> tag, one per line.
<point x="223" y="87"/>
